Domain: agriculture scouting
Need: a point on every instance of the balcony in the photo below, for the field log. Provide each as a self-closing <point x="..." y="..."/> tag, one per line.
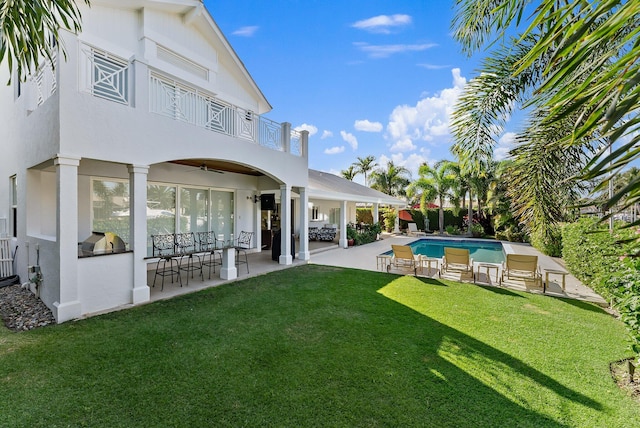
<point x="109" y="78"/>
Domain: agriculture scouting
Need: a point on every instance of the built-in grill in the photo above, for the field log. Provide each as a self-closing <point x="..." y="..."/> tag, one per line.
<point x="101" y="243"/>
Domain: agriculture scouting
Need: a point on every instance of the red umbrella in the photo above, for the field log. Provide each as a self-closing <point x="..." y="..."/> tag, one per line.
<point x="405" y="215"/>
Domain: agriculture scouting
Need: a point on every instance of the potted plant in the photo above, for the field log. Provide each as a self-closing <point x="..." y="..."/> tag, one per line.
<point x="351" y="235"/>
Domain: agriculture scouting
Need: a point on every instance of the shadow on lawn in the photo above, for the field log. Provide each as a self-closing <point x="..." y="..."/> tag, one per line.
<point x="471" y="381"/>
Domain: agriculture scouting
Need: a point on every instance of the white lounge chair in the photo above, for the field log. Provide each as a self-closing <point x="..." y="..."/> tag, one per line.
<point x="412" y="230"/>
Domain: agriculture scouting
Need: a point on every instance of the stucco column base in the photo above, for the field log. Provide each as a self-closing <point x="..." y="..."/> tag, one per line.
<point x="141" y="294"/>
<point x="285" y="260"/>
<point x="343" y="243"/>
<point x="67" y="311"/>
<point x="304" y="255"/>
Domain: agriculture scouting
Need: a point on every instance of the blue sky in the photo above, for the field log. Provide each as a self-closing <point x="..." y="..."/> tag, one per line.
<point x="363" y="77"/>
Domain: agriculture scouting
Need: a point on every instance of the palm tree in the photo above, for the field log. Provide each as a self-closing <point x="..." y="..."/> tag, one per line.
<point x="435" y="182"/>
<point x="392" y="181"/>
<point x="364" y="165"/>
<point x="349" y="173"/>
<point x="578" y="64"/>
<point x="26" y="30"/>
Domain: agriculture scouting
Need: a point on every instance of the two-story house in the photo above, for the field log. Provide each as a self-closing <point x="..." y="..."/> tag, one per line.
<point x="151" y="125"/>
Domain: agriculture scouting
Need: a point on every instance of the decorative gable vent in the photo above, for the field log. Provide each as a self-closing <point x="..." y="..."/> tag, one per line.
<point x="182" y="63"/>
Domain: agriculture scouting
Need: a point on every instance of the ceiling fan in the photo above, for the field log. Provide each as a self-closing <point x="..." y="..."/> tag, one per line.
<point x="204" y="167"/>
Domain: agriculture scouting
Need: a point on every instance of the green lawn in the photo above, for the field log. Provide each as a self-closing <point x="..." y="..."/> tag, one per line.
<point x="322" y="346"/>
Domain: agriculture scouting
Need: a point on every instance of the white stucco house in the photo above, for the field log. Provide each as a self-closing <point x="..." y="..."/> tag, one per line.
<point x="151" y="125"/>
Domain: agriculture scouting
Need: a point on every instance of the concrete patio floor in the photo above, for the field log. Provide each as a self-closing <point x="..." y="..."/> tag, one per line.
<point x="364" y="257"/>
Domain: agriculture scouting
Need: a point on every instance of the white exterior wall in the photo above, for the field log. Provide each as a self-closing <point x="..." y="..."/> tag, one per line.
<point x="107" y="137"/>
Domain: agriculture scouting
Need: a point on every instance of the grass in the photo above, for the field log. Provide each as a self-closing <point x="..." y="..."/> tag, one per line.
<point x="322" y="346"/>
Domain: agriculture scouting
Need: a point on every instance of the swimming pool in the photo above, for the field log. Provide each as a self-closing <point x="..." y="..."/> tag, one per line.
<point x="480" y="251"/>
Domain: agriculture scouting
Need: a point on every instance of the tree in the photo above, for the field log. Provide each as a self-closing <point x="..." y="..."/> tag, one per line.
<point x="435" y="182"/>
<point x="365" y="165"/>
<point x="393" y="180"/>
<point x="26" y="30"/>
<point x="587" y="58"/>
<point x="349" y="173"/>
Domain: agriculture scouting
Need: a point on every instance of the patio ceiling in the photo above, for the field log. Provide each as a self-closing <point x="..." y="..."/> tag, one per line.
<point x="220" y="166"/>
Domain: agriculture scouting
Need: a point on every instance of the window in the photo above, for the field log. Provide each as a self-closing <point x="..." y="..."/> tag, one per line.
<point x="334" y="215"/>
<point x="194" y="204"/>
<point x="314" y="213"/>
<point x="110" y="207"/>
<point x="14" y="207"/>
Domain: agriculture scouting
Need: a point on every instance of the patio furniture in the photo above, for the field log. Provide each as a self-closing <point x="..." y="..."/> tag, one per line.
<point x="412" y="230"/>
<point x="186" y="249"/>
<point x="163" y="248"/>
<point x="403" y="259"/>
<point x="382" y="261"/>
<point x="488" y="267"/>
<point x="210" y="246"/>
<point x="554" y="272"/>
<point x="326" y="234"/>
<point x="243" y="244"/>
<point x="313" y="233"/>
<point x="457" y="260"/>
<point x="427" y="262"/>
<point x="522" y="266"/>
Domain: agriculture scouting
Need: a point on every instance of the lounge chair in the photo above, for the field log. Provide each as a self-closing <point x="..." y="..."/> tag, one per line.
<point x="412" y="230"/>
<point x="457" y="260"/>
<point x="522" y="266"/>
<point x="403" y="258"/>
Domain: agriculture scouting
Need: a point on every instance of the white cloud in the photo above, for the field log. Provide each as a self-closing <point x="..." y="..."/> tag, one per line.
<point x="433" y="66"/>
<point x="326" y="134"/>
<point x="385" y="51"/>
<point x="405" y="145"/>
<point x="334" y="150"/>
<point x="304" y="127"/>
<point x="505" y="143"/>
<point x="383" y="23"/>
<point x="411" y="162"/>
<point x="366" y="126"/>
<point x="428" y="120"/>
<point x="246" y="31"/>
<point x="350" y="138"/>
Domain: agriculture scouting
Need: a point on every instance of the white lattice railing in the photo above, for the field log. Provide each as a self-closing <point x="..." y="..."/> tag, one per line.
<point x="177" y="101"/>
<point x="44" y="80"/>
<point x="107" y="75"/>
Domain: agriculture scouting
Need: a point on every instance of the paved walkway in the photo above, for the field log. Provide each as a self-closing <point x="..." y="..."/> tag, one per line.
<point x="364" y="257"/>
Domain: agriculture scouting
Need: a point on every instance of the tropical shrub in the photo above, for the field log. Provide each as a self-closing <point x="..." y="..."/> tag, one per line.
<point x="608" y="263"/>
<point x="512" y="234"/>
<point x="364" y="215"/>
<point x="452" y="230"/>
<point x="548" y="240"/>
<point x="477" y="229"/>
<point x="389" y="219"/>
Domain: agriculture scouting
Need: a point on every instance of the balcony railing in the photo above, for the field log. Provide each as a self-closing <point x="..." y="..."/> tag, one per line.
<point x="187" y="104"/>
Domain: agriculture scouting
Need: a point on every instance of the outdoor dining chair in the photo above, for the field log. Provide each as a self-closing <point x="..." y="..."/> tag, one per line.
<point x="243" y="244"/>
<point x="164" y="248"/>
<point x="210" y="248"/>
<point x="186" y="249"/>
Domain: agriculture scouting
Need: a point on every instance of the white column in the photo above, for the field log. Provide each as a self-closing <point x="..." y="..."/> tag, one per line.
<point x="140" y="84"/>
<point x="286" y="137"/>
<point x="303" y="254"/>
<point x="68" y="305"/>
<point x="343" y="225"/>
<point x="285" y="225"/>
<point x="375" y="213"/>
<point x="304" y="144"/>
<point x="138" y="231"/>
<point x="396" y="224"/>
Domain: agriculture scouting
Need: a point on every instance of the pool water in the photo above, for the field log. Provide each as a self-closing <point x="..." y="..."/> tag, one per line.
<point x="480" y="251"/>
